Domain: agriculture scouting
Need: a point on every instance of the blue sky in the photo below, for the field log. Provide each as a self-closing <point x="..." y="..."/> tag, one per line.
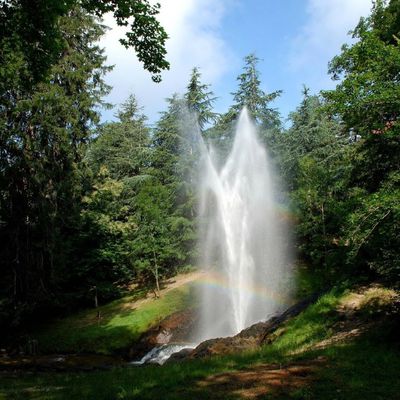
<point x="295" y="39"/>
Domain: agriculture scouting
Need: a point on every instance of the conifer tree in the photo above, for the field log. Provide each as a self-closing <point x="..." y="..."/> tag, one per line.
<point x="122" y="146"/>
<point x="200" y="99"/>
<point x="249" y="94"/>
<point x="42" y="144"/>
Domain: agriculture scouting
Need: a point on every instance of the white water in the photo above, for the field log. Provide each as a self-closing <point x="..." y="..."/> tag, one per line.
<point x="160" y="354"/>
<point x="244" y="240"/>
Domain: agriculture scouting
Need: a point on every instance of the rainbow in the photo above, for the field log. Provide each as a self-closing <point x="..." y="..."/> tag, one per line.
<point x="218" y="281"/>
<point x="284" y="212"/>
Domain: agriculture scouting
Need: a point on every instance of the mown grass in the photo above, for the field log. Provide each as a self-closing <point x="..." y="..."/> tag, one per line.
<point x="366" y="368"/>
<point x="118" y="326"/>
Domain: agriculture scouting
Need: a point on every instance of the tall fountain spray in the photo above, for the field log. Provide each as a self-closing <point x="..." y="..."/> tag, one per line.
<point x="244" y="241"/>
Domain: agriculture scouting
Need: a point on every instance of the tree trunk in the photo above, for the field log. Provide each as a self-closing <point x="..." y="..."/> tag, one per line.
<point x="157" y="281"/>
<point x="156" y="277"/>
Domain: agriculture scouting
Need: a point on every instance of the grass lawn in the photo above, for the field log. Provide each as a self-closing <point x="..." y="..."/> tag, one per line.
<point x="121" y="323"/>
<point x="291" y="367"/>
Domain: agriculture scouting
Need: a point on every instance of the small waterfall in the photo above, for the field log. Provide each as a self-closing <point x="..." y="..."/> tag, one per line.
<point x="244" y="240"/>
<point x="160" y="354"/>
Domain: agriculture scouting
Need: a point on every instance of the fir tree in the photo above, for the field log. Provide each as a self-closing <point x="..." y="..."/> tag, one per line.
<point x="42" y="143"/>
<point x="200" y="100"/>
<point x="249" y="94"/>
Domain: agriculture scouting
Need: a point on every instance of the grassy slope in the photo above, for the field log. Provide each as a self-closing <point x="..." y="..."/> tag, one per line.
<point x="119" y="326"/>
<point x="364" y="368"/>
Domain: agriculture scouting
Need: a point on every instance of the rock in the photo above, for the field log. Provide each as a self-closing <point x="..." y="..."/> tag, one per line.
<point x="180" y="355"/>
<point x="176" y="328"/>
<point x="250" y="338"/>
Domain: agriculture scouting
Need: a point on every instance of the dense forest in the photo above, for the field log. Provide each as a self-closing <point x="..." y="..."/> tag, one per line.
<point x="87" y="208"/>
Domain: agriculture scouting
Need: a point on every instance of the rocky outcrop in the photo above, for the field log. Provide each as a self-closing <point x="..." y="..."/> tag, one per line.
<point x="176" y="328"/>
<point x="248" y="339"/>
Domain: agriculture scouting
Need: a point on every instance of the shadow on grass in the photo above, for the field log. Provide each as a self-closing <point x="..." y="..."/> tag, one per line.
<point x="117" y="325"/>
<point x="365" y="369"/>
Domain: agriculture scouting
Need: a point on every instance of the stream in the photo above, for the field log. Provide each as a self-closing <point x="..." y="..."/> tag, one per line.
<point x="160" y="354"/>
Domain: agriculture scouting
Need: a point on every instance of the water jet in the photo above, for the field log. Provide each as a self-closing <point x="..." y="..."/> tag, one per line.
<point x="244" y="241"/>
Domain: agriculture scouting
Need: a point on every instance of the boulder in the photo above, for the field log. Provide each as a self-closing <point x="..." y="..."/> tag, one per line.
<point x="176" y="328"/>
<point x="248" y="339"/>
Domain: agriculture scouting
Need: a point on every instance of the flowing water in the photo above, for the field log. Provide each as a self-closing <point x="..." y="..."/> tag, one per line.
<point x="160" y="354"/>
<point x="244" y="240"/>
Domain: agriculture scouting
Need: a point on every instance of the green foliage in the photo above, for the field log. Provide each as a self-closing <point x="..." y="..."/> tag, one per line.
<point x="373" y="230"/>
<point x="368" y="96"/>
<point x="31" y="30"/>
<point x="314" y="134"/>
<point x="173" y="162"/>
<point x="43" y="135"/>
<point x="340" y="157"/>
<point x="103" y="260"/>
<point x="312" y="156"/>
<point x="249" y="94"/>
<point x="153" y="246"/>
<point x="136" y="215"/>
<point x="123" y="146"/>
<point x="367" y="99"/>
<point x="170" y="144"/>
<point x="199" y="100"/>
<point x="118" y="159"/>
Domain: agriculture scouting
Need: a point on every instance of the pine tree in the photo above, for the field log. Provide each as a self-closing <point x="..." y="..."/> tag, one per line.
<point x="118" y="158"/>
<point x="122" y="146"/>
<point x="312" y="156"/>
<point x="43" y="140"/>
<point x="249" y="94"/>
<point x="313" y="133"/>
<point x="173" y="161"/>
<point x="200" y="100"/>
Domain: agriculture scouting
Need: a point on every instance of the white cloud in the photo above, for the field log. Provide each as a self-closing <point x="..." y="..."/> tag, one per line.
<point x="193" y="27"/>
<point x="323" y="34"/>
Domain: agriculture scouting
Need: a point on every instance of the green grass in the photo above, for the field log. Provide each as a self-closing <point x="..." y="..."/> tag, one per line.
<point x="119" y="326"/>
<point x="366" y="368"/>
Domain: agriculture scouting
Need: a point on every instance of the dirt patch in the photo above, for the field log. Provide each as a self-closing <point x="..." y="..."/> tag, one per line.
<point x="358" y="312"/>
<point x="263" y="379"/>
<point x="167" y="286"/>
<point x="373" y="299"/>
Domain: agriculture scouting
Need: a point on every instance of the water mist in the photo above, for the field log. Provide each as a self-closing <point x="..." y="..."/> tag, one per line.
<point x="243" y="237"/>
<point x="244" y="240"/>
